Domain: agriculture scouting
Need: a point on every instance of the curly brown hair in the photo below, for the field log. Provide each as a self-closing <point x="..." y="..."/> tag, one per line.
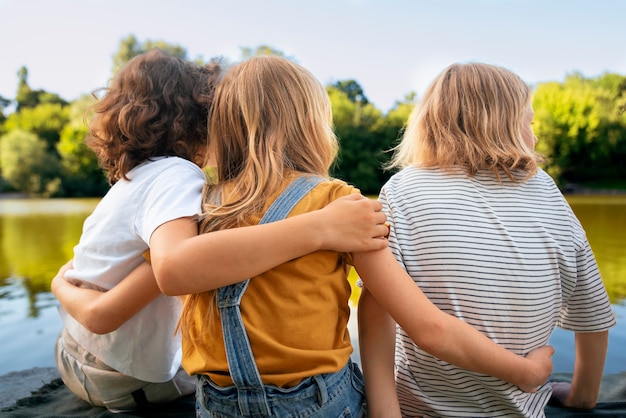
<point x="156" y="105"/>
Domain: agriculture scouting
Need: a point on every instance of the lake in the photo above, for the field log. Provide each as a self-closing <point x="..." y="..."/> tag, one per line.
<point x="38" y="236"/>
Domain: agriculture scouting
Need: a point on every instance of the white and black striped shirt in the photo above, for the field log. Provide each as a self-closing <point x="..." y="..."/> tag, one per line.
<point x="510" y="259"/>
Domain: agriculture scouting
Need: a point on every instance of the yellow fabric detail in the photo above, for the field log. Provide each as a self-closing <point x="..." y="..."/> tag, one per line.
<point x="296" y="315"/>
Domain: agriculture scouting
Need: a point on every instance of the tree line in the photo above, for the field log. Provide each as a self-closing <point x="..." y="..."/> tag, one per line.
<point x="580" y="124"/>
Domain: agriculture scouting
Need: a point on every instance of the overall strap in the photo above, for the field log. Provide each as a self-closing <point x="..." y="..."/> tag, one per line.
<point x="243" y="369"/>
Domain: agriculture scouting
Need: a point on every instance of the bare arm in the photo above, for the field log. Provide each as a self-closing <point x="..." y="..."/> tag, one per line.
<point x="443" y="335"/>
<point x="184" y="263"/>
<point x="377" y="336"/>
<point x="103" y="312"/>
<point x="583" y="392"/>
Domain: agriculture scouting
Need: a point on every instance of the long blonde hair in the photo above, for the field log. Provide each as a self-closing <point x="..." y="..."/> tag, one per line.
<point x="270" y="117"/>
<point x="471" y="116"/>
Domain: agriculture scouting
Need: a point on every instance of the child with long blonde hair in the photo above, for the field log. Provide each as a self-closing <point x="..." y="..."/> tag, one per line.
<point x="118" y="348"/>
<point x="278" y="343"/>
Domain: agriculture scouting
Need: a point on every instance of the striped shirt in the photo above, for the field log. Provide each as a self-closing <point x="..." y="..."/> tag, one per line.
<point x="509" y="258"/>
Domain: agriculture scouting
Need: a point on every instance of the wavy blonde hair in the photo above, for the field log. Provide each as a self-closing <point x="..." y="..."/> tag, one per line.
<point x="471" y="116"/>
<point x="270" y="117"/>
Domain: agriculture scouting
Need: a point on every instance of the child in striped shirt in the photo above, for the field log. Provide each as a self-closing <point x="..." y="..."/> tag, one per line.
<point x="488" y="237"/>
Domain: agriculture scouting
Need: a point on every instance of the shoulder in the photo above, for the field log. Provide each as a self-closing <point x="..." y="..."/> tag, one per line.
<point x="413" y="173"/>
<point x="415" y="179"/>
<point x="544" y="187"/>
<point x="324" y="193"/>
<point x="171" y="170"/>
<point x="176" y="163"/>
<point x="162" y="164"/>
<point x="332" y="189"/>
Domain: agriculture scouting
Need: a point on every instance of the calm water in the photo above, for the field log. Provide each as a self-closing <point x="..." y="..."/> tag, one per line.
<point x="37" y="236"/>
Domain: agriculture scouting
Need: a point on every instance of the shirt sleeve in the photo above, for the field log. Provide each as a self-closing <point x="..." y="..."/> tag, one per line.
<point x="174" y="193"/>
<point x="589" y="308"/>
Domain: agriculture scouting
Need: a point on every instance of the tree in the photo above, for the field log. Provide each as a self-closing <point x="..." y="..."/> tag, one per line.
<point x="44" y="120"/>
<point x="130" y="47"/>
<point x="565" y="120"/>
<point x="81" y="174"/>
<point x="366" y="136"/>
<point x="27" y="98"/>
<point x="4" y="103"/>
<point x="579" y="130"/>
<point x="27" y="165"/>
<point x="361" y="156"/>
<point x="394" y="123"/>
<point x="352" y="90"/>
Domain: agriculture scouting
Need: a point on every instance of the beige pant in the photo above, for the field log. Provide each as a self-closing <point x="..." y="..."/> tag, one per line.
<point x="99" y="385"/>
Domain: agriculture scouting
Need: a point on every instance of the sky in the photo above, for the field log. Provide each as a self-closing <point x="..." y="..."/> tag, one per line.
<point x="390" y="47"/>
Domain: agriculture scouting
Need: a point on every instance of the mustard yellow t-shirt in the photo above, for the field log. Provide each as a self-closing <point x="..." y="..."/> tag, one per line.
<point x="296" y="315"/>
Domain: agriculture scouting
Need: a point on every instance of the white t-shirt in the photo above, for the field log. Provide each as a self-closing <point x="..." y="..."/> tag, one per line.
<point x="114" y="238"/>
<point x="512" y="260"/>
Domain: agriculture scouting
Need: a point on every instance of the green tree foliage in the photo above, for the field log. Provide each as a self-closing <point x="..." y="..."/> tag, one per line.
<point x="27" y="98"/>
<point x="394" y="122"/>
<point x="580" y="123"/>
<point x="352" y="90"/>
<point x="359" y="128"/>
<point x="4" y="103"/>
<point x="580" y="130"/>
<point x="44" y="120"/>
<point x="27" y="165"/>
<point x="82" y="176"/>
<point x="131" y="47"/>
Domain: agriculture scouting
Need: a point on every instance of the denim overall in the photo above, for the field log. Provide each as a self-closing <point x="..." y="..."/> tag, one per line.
<point x="330" y="395"/>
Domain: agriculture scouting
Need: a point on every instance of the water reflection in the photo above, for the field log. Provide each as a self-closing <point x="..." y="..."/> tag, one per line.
<point x="38" y="236"/>
<point x="604" y="220"/>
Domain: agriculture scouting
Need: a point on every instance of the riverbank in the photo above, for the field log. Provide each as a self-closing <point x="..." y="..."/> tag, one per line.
<point x="577" y="189"/>
<point x="40" y="392"/>
<point x="18" y="385"/>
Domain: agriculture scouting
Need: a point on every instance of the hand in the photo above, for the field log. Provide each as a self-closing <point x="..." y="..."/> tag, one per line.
<point x="354" y="223"/>
<point x="540" y="369"/>
<point x="59" y="279"/>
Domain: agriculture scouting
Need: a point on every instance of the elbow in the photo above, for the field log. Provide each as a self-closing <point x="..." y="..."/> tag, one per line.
<point x="93" y="321"/>
<point x="423" y="337"/>
<point x="99" y="329"/>
<point x="166" y="275"/>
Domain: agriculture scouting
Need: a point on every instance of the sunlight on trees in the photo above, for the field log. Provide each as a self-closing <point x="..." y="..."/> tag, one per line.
<point x="27" y="165"/>
<point x="579" y="130"/>
<point x="580" y="123"/>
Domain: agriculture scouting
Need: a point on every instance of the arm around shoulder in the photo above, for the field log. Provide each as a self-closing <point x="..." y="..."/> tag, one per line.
<point x="185" y="262"/>
<point x="444" y="335"/>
